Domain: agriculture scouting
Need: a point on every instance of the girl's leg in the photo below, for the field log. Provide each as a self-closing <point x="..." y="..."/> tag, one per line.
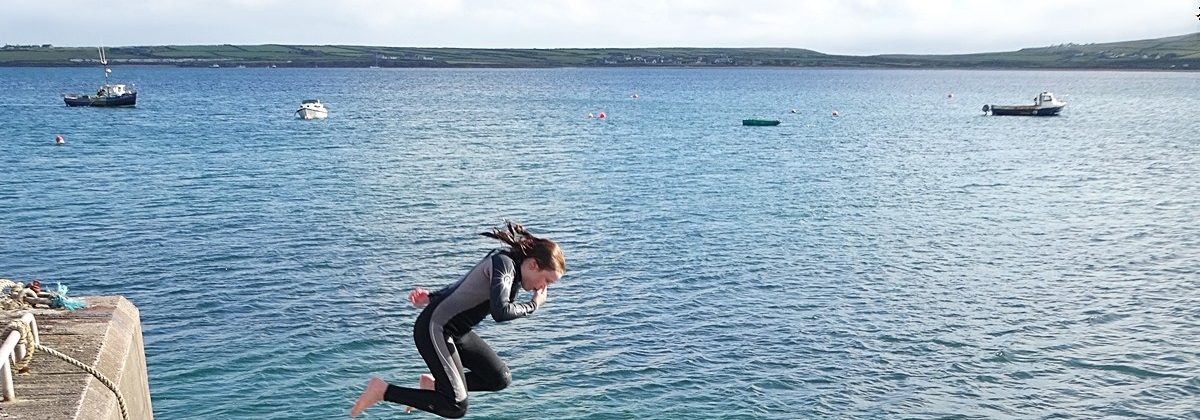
<point x="449" y="397"/>
<point x="424" y="382"/>
<point x="487" y="371"/>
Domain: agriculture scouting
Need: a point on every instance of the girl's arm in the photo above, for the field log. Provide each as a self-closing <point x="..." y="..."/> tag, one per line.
<point x="503" y="275"/>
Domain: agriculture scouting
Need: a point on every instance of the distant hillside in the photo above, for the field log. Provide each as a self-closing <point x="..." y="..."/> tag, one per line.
<point x="1178" y="53"/>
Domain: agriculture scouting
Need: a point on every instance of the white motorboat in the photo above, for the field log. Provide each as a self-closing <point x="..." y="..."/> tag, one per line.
<point x="1045" y="104"/>
<point x="311" y="109"/>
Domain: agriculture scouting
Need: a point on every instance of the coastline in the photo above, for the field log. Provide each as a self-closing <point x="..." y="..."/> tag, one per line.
<point x="1177" y="53"/>
<point x="1188" y="69"/>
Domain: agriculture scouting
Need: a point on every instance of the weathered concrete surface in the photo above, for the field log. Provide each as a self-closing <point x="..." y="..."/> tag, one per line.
<point x="107" y="336"/>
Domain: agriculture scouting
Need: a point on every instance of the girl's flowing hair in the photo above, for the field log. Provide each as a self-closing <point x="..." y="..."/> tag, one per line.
<point x="523" y="244"/>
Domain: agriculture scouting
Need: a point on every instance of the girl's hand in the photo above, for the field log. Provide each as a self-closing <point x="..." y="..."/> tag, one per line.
<point x="539" y="296"/>
<point x="419" y="297"/>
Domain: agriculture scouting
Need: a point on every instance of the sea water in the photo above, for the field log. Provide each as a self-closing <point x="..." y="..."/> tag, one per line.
<point x="910" y="257"/>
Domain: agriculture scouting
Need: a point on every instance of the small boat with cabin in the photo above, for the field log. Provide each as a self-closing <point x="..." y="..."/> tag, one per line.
<point x="760" y="123"/>
<point x="109" y="94"/>
<point x="1045" y="104"/>
<point x="312" y="109"/>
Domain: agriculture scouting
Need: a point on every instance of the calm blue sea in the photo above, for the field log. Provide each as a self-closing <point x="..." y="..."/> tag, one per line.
<point x="908" y="259"/>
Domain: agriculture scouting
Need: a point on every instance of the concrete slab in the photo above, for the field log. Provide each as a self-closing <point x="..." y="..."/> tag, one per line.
<point x="107" y="336"/>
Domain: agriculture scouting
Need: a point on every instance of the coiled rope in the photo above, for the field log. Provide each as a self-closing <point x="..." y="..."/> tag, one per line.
<point x="27" y="338"/>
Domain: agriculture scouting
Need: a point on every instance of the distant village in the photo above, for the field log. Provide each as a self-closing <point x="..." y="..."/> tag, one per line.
<point x="612" y="59"/>
<point x="25" y="47"/>
<point x="618" y="59"/>
<point x="628" y="59"/>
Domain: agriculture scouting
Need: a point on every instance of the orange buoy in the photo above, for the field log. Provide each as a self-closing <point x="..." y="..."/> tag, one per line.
<point x="59" y="140"/>
<point x="602" y="116"/>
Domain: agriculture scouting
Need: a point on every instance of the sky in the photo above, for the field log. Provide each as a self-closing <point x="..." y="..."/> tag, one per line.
<point x="852" y="27"/>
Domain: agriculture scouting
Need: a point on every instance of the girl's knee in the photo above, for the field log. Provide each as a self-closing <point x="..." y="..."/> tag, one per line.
<point x="456" y="412"/>
<point x="493" y="381"/>
<point x="503" y="380"/>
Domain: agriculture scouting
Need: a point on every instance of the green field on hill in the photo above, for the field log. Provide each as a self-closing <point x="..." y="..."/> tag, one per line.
<point x="1178" y="53"/>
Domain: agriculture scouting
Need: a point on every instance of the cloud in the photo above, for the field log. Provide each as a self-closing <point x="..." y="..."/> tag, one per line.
<point x="840" y="27"/>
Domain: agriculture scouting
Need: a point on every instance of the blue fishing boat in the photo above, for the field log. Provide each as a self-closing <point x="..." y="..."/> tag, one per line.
<point x="109" y="94"/>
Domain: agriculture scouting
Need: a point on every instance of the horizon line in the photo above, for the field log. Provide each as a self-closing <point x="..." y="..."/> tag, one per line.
<point x="582" y="48"/>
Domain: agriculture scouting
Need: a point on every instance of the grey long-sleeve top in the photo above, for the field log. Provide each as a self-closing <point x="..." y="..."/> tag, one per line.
<point x="489" y="288"/>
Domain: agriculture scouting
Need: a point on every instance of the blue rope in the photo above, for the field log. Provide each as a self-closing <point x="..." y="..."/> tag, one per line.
<point x="60" y="299"/>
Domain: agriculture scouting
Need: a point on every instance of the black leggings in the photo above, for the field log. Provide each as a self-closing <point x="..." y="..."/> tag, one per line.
<point x="447" y="357"/>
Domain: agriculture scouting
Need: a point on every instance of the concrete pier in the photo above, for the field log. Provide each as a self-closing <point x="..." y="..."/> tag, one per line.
<point x="107" y="336"/>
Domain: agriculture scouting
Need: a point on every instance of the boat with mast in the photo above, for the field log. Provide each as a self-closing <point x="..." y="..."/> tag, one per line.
<point x="109" y="94"/>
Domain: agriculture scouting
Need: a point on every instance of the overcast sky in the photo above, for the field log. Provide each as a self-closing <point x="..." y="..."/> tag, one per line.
<point x="856" y="27"/>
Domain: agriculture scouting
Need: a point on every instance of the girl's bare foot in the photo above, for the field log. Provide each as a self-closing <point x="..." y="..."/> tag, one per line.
<point x="426" y="382"/>
<point x="373" y="394"/>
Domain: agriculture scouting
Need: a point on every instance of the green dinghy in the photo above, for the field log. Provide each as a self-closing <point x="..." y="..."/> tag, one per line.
<point x="760" y="123"/>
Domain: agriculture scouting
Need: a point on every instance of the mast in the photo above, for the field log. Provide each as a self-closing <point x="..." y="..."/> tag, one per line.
<point x="104" y="62"/>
